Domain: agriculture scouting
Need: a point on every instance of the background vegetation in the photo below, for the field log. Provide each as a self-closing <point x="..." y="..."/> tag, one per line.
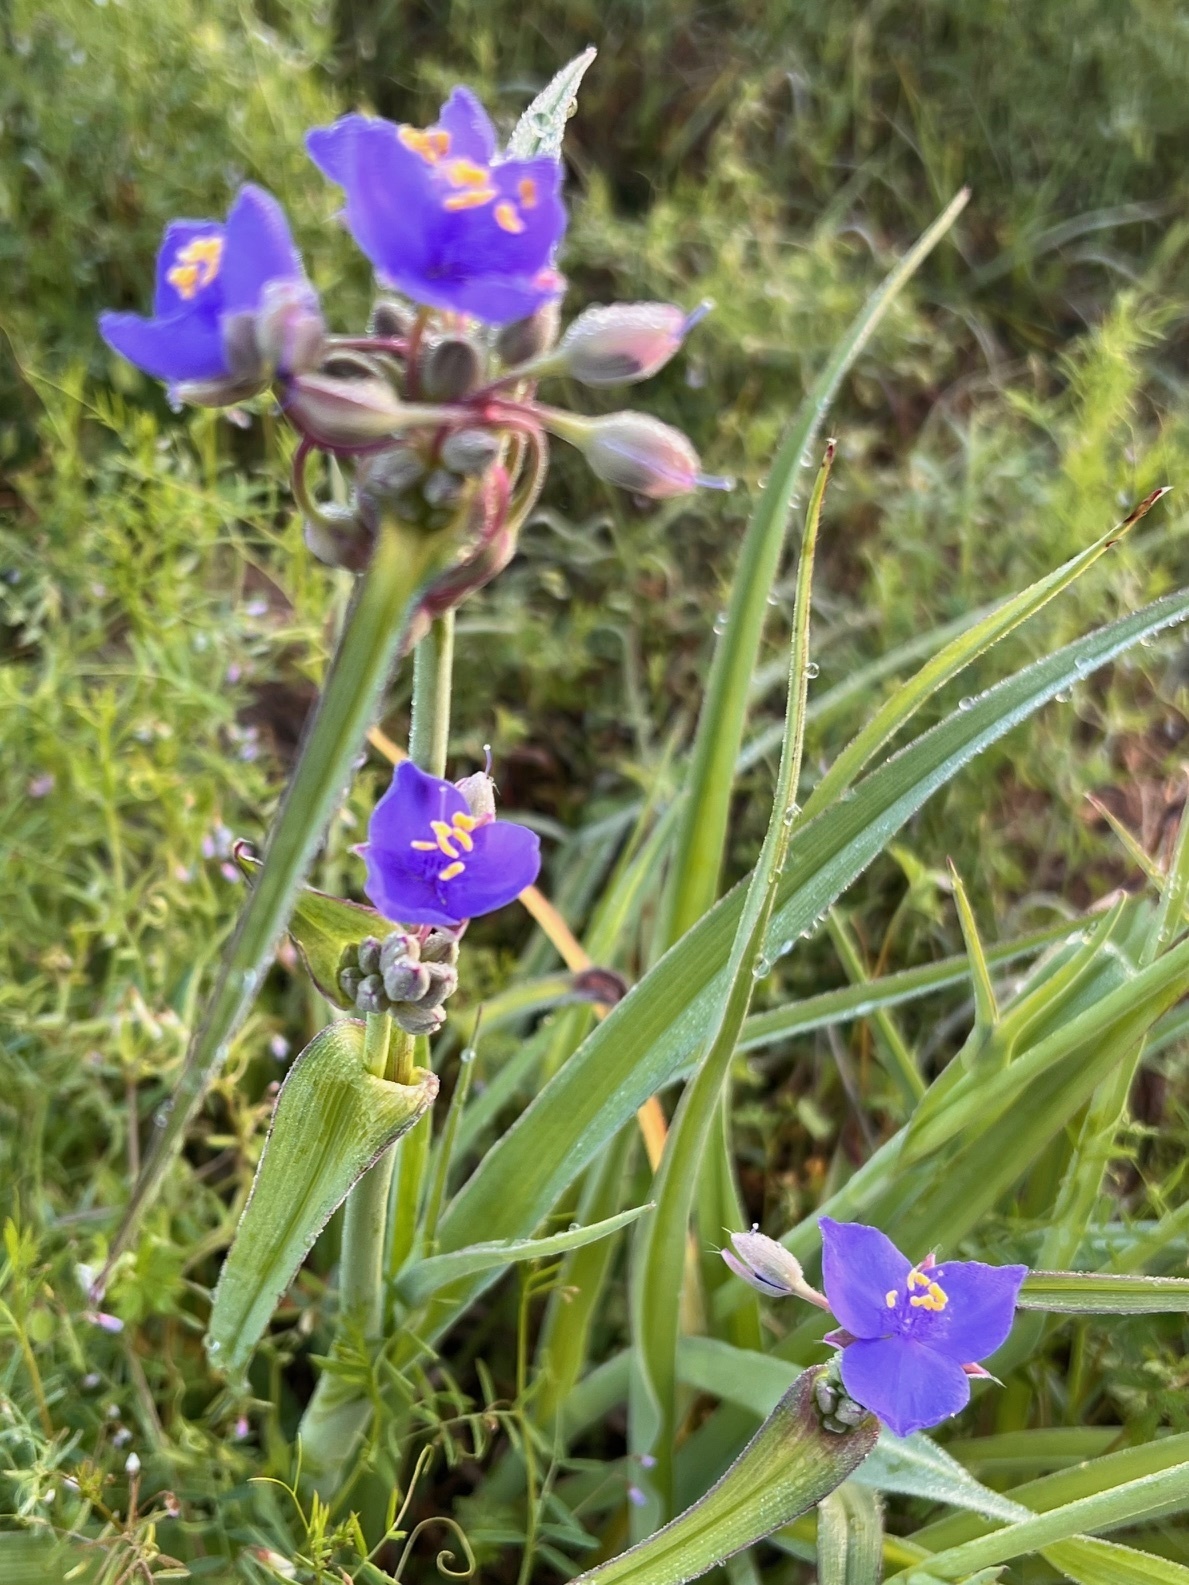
<point x="162" y="628"/>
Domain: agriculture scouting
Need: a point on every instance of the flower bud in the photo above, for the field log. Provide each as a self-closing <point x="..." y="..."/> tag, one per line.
<point x="443" y="982"/>
<point x="479" y="791"/>
<point x="622" y="343"/>
<point x="469" y="451"/>
<point x="636" y="452"/>
<point x="526" y="339"/>
<point x="343" y="415"/>
<point x="442" y="488"/>
<point x="768" y="1267"/>
<point x="289" y="329"/>
<point x="389" y="319"/>
<point x="450" y="370"/>
<point x="441" y="946"/>
<point x="338" y="538"/>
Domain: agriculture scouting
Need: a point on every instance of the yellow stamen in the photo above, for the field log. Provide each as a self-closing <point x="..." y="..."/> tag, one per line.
<point x="465" y="822"/>
<point x="889" y="1298"/>
<point x="464" y="839"/>
<point x="473" y="198"/>
<point x="465" y="173"/>
<point x="508" y="218"/>
<point x="425" y="847"/>
<point x="196" y="266"/>
<point x="451" y="871"/>
<point x="431" y="145"/>
<point x="526" y="191"/>
<point x="936" y="1299"/>
<point x="444" y="835"/>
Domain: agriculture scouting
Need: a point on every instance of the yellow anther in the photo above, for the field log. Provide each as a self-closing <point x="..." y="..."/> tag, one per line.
<point x="472" y="198"/>
<point x="465" y="173"/>
<point x="889" y="1298"/>
<point x="936" y="1299"/>
<point x="466" y="822"/>
<point x="426" y="847"/>
<point x="917" y="1279"/>
<point x="451" y="871"/>
<point x="508" y="218"/>
<point x="526" y="191"/>
<point x="196" y="266"/>
<point x="445" y="835"/>
<point x="464" y="839"/>
<point x="431" y="145"/>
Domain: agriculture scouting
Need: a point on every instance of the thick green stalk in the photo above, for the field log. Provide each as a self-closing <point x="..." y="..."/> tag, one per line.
<point x="338" y="1413"/>
<point x="370" y="644"/>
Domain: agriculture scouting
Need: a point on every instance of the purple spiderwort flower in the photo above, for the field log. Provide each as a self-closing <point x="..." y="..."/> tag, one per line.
<point x="435" y="858"/>
<point x="908" y="1332"/>
<point x="232" y="305"/>
<point x="441" y="218"/>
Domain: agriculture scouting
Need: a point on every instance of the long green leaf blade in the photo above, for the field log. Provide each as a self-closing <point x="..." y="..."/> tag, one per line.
<point x="650" y="1034"/>
<point x="1103" y="1293"/>
<point x="418" y="1281"/>
<point x="698" y="860"/>
<point x="659" y="1258"/>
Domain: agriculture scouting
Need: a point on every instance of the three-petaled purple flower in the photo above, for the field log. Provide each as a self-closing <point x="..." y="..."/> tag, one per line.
<point x="232" y="305"/>
<point x="441" y="218"/>
<point x="910" y="1334"/>
<point x="433" y="858"/>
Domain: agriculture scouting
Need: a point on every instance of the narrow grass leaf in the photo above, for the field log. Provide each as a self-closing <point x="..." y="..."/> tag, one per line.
<point x="699" y="849"/>
<point x="659" y="1257"/>
<point x="422" y="1279"/>
<point x="1103" y="1293"/>
<point x="650" y="1034"/>
<point x="1090" y="1561"/>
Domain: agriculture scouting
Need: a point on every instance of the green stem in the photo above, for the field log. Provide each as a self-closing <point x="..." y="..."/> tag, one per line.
<point x="339" y="1411"/>
<point x="368" y="649"/>
<point x="433" y="674"/>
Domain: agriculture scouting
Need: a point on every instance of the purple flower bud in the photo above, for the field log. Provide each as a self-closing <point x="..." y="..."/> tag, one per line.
<point x="450" y="370"/>
<point x="343" y="415"/>
<point x="636" y="452"/>
<point x="526" y="339"/>
<point x="622" y="343"/>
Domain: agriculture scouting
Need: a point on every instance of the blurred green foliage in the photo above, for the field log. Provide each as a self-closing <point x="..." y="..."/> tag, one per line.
<point x="162" y="628"/>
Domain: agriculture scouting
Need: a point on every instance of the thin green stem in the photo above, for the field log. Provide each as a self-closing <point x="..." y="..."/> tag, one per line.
<point x="433" y="673"/>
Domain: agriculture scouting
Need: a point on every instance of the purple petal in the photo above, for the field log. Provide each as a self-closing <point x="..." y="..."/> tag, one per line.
<point x="392" y="208"/>
<point x="979" y="1311"/>
<point x="167" y="300"/>
<point x="330" y="147"/>
<point x="185" y="347"/>
<point x="403" y="891"/>
<point x="506" y="858"/>
<point x="907" y="1385"/>
<point x="404" y="813"/>
<point x="472" y="136"/>
<point x="259" y="249"/>
<point x="496" y="299"/>
<point x="860" y="1267"/>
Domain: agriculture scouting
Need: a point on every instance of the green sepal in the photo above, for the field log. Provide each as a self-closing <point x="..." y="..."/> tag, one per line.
<point x="333" y="1119"/>
<point x="790" y="1464"/>
<point x="322" y="927"/>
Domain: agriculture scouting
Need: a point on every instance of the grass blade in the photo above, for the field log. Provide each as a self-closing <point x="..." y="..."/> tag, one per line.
<point x="700" y="841"/>
<point x="651" y="1033"/>
<point x="659" y="1257"/>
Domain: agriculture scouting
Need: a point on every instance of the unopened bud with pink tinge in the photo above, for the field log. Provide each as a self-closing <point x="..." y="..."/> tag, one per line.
<point x="622" y="343"/>
<point x="769" y="1268"/>
<point x="635" y="451"/>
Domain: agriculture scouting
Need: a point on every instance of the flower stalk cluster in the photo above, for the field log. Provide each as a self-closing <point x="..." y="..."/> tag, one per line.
<point x="435" y="406"/>
<point x="408" y="974"/>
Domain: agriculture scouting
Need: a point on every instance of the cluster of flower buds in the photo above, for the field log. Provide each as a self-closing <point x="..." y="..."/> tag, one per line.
<point x="436" y="404"/>
<point x="409" y="974"/>
<point x="838" y="1412"/>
